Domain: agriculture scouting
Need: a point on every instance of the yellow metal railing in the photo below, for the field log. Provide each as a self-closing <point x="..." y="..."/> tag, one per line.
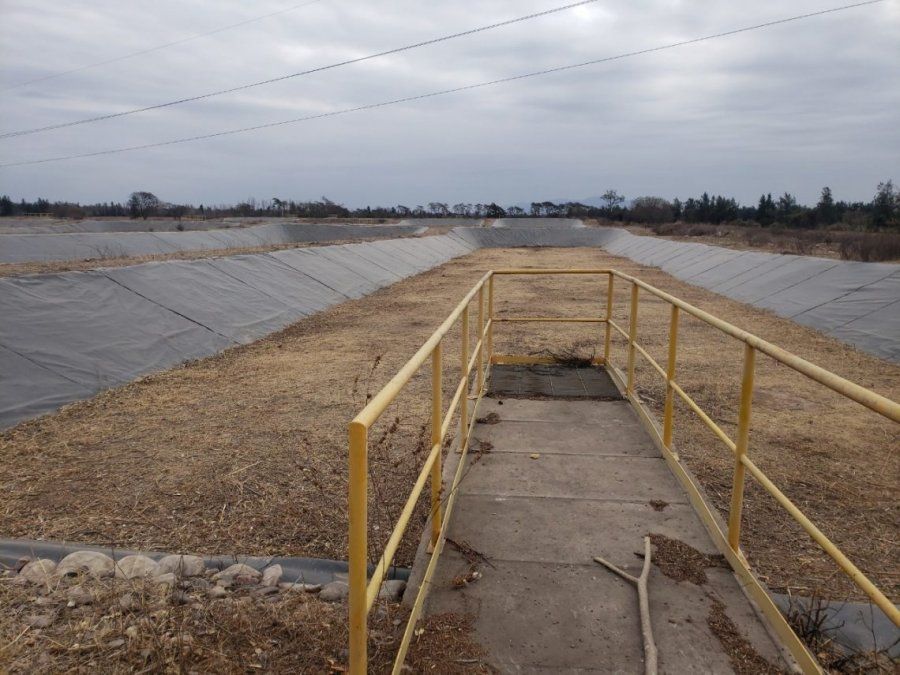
<point x="364" y="591"/>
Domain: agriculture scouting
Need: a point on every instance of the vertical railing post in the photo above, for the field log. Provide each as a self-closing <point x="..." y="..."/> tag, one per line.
<point x="490" y="335"/>
<point x="743" y="439"/>
<point x="464" y="365"/>
<point x="480" y="378"/>
<point x="609" y="307"/>
<point x="632" y="336"/>
<point x="436" y="481"/>
<point x="358" y="507"/>
<point x="669" y="410"/>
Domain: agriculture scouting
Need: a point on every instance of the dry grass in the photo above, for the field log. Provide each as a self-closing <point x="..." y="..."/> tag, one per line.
<point x="834" y="244"/>
<point x="246" y="451"/>
<point x="162" y="630"/>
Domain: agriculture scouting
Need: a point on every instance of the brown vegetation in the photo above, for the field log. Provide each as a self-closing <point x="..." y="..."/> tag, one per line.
<point x="137" y="626"/>
<point x="825" y="243"/>
<point x="246" y="451"/>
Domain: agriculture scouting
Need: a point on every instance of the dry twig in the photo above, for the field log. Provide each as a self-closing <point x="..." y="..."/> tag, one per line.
<point x="641" y="584"/>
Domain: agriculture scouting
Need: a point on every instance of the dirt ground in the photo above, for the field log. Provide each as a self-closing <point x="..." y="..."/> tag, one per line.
<point x="245" y="452"/>
<point x="136" y="626"/>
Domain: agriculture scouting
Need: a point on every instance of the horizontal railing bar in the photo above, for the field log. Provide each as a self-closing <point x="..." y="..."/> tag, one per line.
<point x="554" y="271"/>
<point x="861" y="395"/>
<point x="383" y="398"/>
<point x="704" y="417"/>
<point x="551" y="319"/>
<point x="652" y="361"/>
<point x="393" y="542"/>
<point x="827" y="545"/>
<point x="618" y="328"/>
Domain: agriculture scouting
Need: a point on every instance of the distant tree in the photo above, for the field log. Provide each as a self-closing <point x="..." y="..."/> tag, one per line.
<point x="176" y="211"/>
<point x="612" y="200"/>
<point x="142" y="204"/>
<point x="462" y="209"/>
<point x="438" y="209"/>
<point x="515" y="211"/>
<point x="765" y="212"/>
<point x="826" y="213"/>
<point x="704" y="208"/>
<point x="6" y="206"/>
<point x="278" y="205"/>
<point x="677" y="209"/>
<point x="886" y="206"/>
<point x="494" y="211"/>
<point x="651" y="210"/>
<point x="787" y="204"/>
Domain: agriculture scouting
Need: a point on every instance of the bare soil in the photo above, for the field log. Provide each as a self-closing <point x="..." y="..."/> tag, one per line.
<point x="246" y="451"/>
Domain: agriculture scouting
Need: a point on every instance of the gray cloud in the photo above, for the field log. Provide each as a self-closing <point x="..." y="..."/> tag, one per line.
<point x="792" y="107"/>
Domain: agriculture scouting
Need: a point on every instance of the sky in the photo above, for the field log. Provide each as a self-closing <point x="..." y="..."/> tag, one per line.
<point x="788" y="108"/>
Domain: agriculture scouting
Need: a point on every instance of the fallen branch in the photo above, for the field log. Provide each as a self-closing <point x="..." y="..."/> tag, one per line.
<point x="641" y="584"/>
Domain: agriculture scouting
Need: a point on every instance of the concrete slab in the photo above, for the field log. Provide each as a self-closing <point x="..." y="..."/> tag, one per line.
<point x="529" y="437"/>
<point x="536" y="617"/>
<point x="528" y="530"/>
<point x="574" y="477"/>
<point x="559" y="412"/>
<point x="597" y="487"/>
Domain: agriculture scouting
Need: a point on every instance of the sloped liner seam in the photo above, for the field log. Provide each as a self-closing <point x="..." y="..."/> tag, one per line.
<point x="158" y="304"/>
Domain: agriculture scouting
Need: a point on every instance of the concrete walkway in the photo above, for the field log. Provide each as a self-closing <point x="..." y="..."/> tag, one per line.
<point x="567" y="480"/>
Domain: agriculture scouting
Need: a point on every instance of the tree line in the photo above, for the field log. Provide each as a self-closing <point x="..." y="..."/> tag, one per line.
<point x="881" y="213"/>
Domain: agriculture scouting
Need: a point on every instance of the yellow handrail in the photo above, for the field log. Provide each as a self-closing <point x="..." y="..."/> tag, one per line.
<point x="363" y="592"/>
<point x="861" y="395"/>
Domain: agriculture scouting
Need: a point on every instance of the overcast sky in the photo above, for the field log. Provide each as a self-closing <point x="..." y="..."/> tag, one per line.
<point x="793" y="107"/>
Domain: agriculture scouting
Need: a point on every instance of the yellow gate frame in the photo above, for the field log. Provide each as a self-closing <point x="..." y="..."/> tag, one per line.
<point x="364" y="591"/>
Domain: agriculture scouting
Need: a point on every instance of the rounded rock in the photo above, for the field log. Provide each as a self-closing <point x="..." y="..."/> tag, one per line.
<point x="271" y="575"/>
<point x="290" y="586"/>
<point x="217" y="592"/>
<point x="336" y="591"/>
<point x="240" y="574"/>
<point x="93" y="563"/>
<point x="78" y="596"/>
<point x="38" y="571"/>
<point x="168" y="579"/>
<point x="136" y="567"/>
<point x="392" y="590"/>
<point x="183" y="565"/>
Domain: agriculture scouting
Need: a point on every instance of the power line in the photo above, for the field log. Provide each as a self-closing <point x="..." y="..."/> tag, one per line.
<point x="159" y="47"/>
<point x="319" y="69"/>
<point x="419" y="97"/>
